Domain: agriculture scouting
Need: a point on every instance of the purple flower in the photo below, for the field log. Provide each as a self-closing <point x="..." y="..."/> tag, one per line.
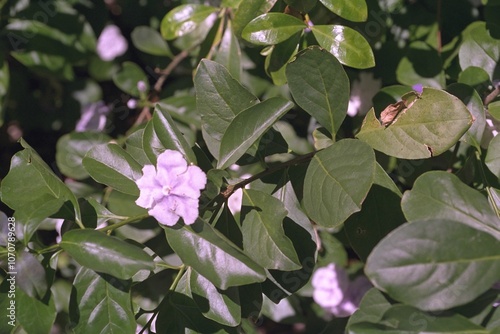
<point x="172" y="189"/>
<point x="111" y="43"/>
<point x="419" y="88"/>
<point x="93" y="117"/>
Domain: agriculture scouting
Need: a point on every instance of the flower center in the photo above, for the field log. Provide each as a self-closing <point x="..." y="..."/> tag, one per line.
<point x="166" y="190"/>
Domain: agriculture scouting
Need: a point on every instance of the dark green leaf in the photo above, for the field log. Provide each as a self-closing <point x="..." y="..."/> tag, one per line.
<point x="112" y="165"/>
<point x="106" y="254"/>
<point x="247" y="11"/>
<point x="213" y="256"/>
<point x="279" y="57"/>
<point x="246" y="128"/>
<point x="356" y="10"/>
<point x="272" y="28"/>
<point x="229" y="53"/>
<point x="302" y="6"/>
<point x="182" y="109"/>
<point x="4" y="85"/>
<point x="433" y="122"/>
<point x="346" y="44"/>
<point x="149" y="40"/>
<point x="441" y="195"/>
<point x="371" y="308"/>
<point x="103" y="304"/>
<point x="72" y="147"/>
<point x="134" y="147"/>
<point x="337" y="181"/>
<point x="492" y="159"/>
<point x="184" y="19"/>
<point x="425" y="264"/>
<point x="320" y="86"/>
<point x="219" y="98"/>
<point x="31" y="275"/>
<point x="45" y="64"/>
<point x="33" y="315"/>
<point x="127" y="78"/>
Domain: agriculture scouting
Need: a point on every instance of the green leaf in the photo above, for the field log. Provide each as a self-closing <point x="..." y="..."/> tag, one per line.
<point x="352" y="10"/>
<point x="441" y="195"/>
<point x="247" y="11"/>
<point x="371" y="308"/>
<point x="337" y="182"/>
<point x="229" y="53"/>
<point x="213" y="256"/>
<point x="169" y="135"/>
<point x="433" y="122"/>
<point x="4" y="85"/>
<point x="184" y="19"/>
<point x="320" y="86"/>
<point x="31" y="275"/>
<point x="421" y="65"/>
<point x="264" y="239"/>
<point x="151" y="143"/>
<point x="272" y="28"/>
<point x="247" y="127"/>
<point x="279" y="57"/>
<point x="39" y="198"/>
<point x="494" y="109"/>
<point x="127" y="78"/>
<point x="149" y="40"/>
<point x="303" y="6"/>
<point x="44" y="64"/>
<point x="134" y="147"/>
<point x="33" y="315"/>
<point x="474" y="77"/>
<point x="492" y="159"/>
<point x="103" y="304"/>
<point x="182" y="108"/>
<point x="72" y="147"/>
<point x="479" y="49"/>
<point x="106" y="254"/>
<point x="219" y="98"/>
<point x="346" y="44"/>
<point x="113" y="166"/>
<point x="221" y="306"/>
<point x="425" y="264"/>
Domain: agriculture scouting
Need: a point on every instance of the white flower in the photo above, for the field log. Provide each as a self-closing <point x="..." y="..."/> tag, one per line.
<point x="362" y="92"/>
<point x="330" y="284"/>
<point x="172" y="189"/>
<point x="132" y="104"/>
<point x="93" y="117"/>
<point x="111" y="43"/>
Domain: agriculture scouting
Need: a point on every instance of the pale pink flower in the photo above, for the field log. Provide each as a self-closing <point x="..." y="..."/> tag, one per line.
<point x="111" y="43"/>
<point x="172" y="189"/>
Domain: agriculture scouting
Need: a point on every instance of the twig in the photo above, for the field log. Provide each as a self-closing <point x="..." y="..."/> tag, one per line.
<point x="168" y="70"/>
<point x="491" y="96"/>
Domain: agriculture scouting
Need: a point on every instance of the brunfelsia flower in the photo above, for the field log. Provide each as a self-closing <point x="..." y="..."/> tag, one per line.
<point x="172" y="189"/>
<point x="111" y="43"/>
<point x="93" y="117"/>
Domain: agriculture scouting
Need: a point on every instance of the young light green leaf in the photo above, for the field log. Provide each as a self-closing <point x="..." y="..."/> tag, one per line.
<point x="352" y="10"/>
<point x="320" y="86"/>
<point x="441" y="195"/>
<point x="127" y="78"/>
<point x="432" y="123"/>
<point x="425" y="264"/>
<point x="346" y="44"/>
<point x="272" y="28"/>
<point x="214" y="256"/>
<point x="247" y="127"/>
<point x="264" y="239"/>
<point x="149" y="40"/>
<point x="184" y="19"/>
<point x="113" y="166"/>
<point x="337" y="182"/>
<point x="219" y="98"/>
<point x="106" y="254"/>
<point x="103" y="304"/>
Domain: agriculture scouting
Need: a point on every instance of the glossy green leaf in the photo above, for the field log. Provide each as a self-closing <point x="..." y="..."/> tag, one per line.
<point x="425" y="264"/>
<point x="433" y="123"/>
<point x="247" y="11"/>
<point x="474" y="104"/>
<point x="479" y="49"/>
<point x="346" y="44"/>
<point x="103" y="304"/>
<point x="264" y="239"/>
<point x="303" y="6"/>
<point x="441" y="195"/>
<point x="39" y="198"/>
<point x="219" y="98"/>
<point x="72" y="147"/>
<point x="134" y="147"/>
<point x="474" y="77"/>
<point x="30" y="275"/>
<point x="107" y="254"/>
<point x="337" y="182"/>
<point x="113" y="166"/>
<point x="492" y="159"/>
<point x="221" y="306"/>
<point x="33" y="315"/>
<point x="320" y="86"/>
<point x="127" y="78"/>
<point x="184" y="19"/>
<point x="272" y="28"/>
<point x="151" y="143"/>
<point x="182" y="108"/>
<point x="213" y="256"/>
<point x="229" y="53"/>
<point x="279" y="57"/>
<point x="4" y="85"/>
<point x="149" y="40"/>
<point x="247" y="127"/>
<point x="355" y="11"/>
<point x="169" y="135"/>
<point x="421" y="65"/>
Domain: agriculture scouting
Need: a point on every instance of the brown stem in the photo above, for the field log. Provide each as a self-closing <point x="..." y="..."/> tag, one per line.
<point x="168" y="70"/>
<point x="491" y="96"/>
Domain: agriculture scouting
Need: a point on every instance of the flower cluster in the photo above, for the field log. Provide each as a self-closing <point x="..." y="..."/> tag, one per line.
<point x="334" y="292"/>
<point x="172" y="189"/>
